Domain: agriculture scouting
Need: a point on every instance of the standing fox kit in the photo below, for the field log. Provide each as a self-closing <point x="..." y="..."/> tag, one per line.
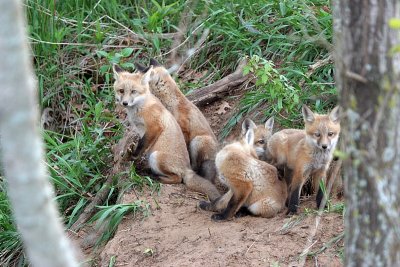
<point x="262" y="133"/>
<point x="306" y="153"/>
<point x="252" y="183"/>
<point x="200" y="139"/>
<point x="160" y="136"/>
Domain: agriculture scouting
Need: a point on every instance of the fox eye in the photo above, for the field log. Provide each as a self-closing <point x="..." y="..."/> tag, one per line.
<point x="317" y="134"/>
<point x="133" y="91"/>
<point x="330" y="134"/>
<point x="121" y="91"/>
<point x="261" y="142"/>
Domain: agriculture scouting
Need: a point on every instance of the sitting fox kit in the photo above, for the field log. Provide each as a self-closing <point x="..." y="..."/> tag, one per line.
<point x="262" y="133"/>
<point x="200" y="139"/>
<point x="160" y="136"/>
<point x="252" y="183"/>
<point x="306" y="153"/>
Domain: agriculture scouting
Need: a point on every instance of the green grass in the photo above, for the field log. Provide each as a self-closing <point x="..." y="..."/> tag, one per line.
<point x="74" y="43"/>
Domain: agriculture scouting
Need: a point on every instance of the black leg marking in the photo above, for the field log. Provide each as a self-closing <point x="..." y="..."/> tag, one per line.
<point x="242" y="212"/>
<point x="320" y="196"/>
<point x="204" y="205"/>
<point x="140" y="146"/>
<point x="287" y="175"/>
<point x="293" y="201"/>
<point x="228" y="212"/>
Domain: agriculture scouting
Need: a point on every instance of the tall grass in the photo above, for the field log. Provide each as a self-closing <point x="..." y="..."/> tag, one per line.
<point x="74" y="43"/>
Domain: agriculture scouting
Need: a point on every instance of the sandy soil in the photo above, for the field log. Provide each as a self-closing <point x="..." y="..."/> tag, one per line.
<point x="178" y="233"/>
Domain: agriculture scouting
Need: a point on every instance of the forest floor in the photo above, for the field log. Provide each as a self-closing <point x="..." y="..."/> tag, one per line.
<point x="178" y="233"/>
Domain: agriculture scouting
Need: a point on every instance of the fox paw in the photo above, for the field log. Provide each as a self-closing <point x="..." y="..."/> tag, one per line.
<point x="204" y="205"/>
<point x="242" y="212"/>
<point x="218" y="217"/>
<point x="291" y="212"/>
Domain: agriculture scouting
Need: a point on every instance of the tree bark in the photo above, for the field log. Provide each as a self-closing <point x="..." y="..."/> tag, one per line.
<point x="367" y="78"/>
<point x="29" y="189"/>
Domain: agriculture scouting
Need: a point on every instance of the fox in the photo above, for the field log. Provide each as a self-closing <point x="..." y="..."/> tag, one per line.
<point x="305" y="153"/>
<point x="201" y="142"/>
<point x="161" y="138"/>
<point x="262" y="133"/>
<point x="252" y="183"/>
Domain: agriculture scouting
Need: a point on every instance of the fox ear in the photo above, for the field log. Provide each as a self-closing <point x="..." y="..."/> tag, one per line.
<point x="154" y="62"/>
<point x="269" y="124"/>
<point x="246" y="125"/>
<point x="141" y="68"/>
<point x="117" y="70"/>
<point x="308" y="115"/>
<point x="250" y="136"/>
<point x="146" y="77"/>
<point x="335" y="114"/>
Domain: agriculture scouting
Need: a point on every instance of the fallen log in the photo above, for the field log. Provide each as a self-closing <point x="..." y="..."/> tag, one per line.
<point x="217" y="90"/>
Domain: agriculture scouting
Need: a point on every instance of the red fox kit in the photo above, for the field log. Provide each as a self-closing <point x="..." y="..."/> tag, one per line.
<point x="200" y="139"/>
<point x="305" y="153"/>
<point x="161" y="138"/>
<point x="262" y="133"/>
<point x="252" y="183"/>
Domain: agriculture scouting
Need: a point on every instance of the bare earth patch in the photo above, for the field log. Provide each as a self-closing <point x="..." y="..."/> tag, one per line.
<point x="178" y="233"/>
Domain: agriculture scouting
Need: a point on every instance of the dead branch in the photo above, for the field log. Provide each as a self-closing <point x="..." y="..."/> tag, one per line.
<point x="312" y="68"/>
<point x="212" y="92"/>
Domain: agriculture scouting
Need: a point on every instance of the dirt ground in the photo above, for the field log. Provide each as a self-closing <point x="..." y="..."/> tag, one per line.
<point x="178" y="233"/>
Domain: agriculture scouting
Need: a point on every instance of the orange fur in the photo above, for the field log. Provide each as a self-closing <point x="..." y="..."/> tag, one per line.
<point x="200" y="139"/>
<point x="252" y="183"/>
<point x="161" y="138"/>
<point x="305" y="153"/>
<point x="262" y="133"/>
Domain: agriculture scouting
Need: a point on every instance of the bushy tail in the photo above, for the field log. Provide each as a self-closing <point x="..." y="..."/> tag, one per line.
<point x="199" y="184"/>
<point x="208" y="170"/>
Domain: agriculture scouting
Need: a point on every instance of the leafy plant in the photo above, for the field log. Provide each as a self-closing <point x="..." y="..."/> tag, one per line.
<point x="114" y="58"/>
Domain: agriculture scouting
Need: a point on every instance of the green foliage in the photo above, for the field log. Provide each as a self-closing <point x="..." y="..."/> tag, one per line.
<point x="11" y="252"/>
<point x="111" y="216"/>
<point x="114" y="58"/>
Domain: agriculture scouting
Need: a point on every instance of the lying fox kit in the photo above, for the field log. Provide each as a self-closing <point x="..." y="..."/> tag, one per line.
<point x="252" y="183"/>
<point x="200" y="139"/>
<point x="305" y="153"/>
<point x="161" y="139"/>
<point x="262" y="133"/>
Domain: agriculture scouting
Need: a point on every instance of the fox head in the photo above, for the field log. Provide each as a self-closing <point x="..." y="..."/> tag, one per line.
<point x="159" y="71"/>
<point x="262" y="133"/>
<point x="322" y="131"/>
<point x="248" y="139"/>
<point x="131" y="89"/>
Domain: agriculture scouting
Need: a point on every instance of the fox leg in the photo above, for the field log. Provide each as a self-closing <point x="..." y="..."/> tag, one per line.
<point x="294" y="192"/>
<point x="317" y="176"/>
<point x="218" y="204"/>
<point x="163" y="169"/>
<point x="199" y="184"/>
<point x="241" y="191"/>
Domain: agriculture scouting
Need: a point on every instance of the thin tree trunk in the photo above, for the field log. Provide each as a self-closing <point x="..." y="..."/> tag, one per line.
<point x="29" y="189"/>
<point x="367" y="77"/>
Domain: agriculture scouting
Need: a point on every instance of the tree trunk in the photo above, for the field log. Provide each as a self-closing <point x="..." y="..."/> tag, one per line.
<point x="367" y="78"/>
<point x="29" y="189"/>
